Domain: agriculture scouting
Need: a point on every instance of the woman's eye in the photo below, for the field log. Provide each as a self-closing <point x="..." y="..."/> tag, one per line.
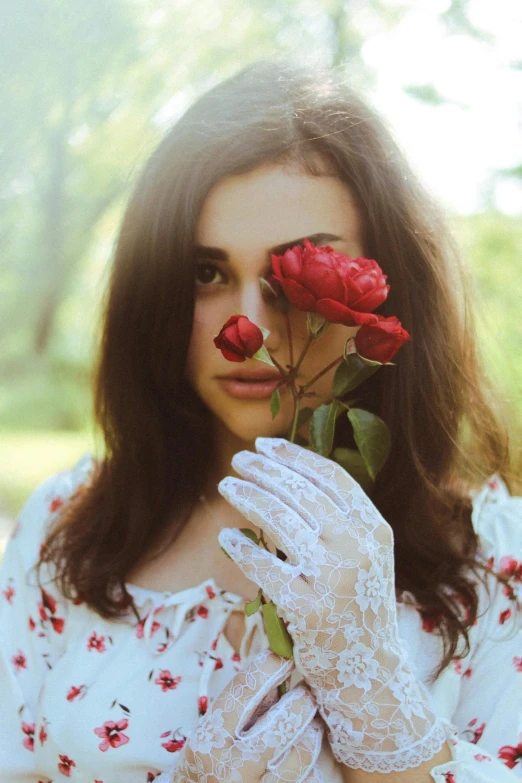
<point x="206" y="273"/>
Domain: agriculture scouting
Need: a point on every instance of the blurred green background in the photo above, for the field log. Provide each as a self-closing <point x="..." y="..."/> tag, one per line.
<point x="87" y="91"/>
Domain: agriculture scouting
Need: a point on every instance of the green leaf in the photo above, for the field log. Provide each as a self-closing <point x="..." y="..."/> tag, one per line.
<point x="263" y="356"/>
<point x="276" y="631"/>
<point x="275" y="403"/>
<point x="316" y="324"/>
<point x="250" y="534"/>
<point x="372" y="439"/>
<point x="252" y="606"/>
<point x="304" y="415"/>
<point x="322" y="428"/>
<point x="351" y="372"/>
<point x="267" y="290"/>
<point x="353" y="463"/>
<point x="225" y="553"/>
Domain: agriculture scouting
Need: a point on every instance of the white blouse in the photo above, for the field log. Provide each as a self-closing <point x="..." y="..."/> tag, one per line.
<point x="99" y="701"/>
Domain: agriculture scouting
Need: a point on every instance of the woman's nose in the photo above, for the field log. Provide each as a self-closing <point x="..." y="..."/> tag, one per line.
<point x="261" y="311"/>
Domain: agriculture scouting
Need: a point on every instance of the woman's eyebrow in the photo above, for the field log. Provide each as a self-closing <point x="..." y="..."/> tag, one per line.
<point x="217" y="254"/>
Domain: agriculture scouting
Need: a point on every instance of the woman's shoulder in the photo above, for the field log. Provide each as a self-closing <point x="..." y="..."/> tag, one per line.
<point x="497" y="521"/>
<point x="43" y="505"/>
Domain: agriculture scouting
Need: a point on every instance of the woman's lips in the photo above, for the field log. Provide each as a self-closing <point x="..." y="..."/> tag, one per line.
<point x="248" y="388"/>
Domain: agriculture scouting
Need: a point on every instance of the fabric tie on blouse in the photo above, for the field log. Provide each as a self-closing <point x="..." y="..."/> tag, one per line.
<point x="173" y="609"/>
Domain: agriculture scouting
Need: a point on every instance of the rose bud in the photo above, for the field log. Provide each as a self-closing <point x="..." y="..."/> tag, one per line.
<point x="381" y="341"/>
<point x="239" y="339"/>
<point x="344" y="290"/>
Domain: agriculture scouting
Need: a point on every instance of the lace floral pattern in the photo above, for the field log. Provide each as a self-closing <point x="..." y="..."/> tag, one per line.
<point x="337" y="591"/>
<point x="284" y="737"/>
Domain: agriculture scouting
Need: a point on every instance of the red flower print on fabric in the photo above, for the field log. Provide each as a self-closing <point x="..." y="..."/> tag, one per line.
<point x="112" y="734"/>
<point x="517" y="662"/>
<point x="511" y="755"/>
<point x="75" y="692"/>
<point x="29" y="730"/>
<point x="42" y="734"/>
<point x="96" y="642"/>
<point x="47" y="610"/>
<point x="9" y="593"/>
<point x="512" y="569"/>
<point x="140" y="626"/>
<point x="474" y="733"/>
<point x="210" y="592"/>
<point x="55" y="504"/>
<point x="236" y="658"/>
<point x="430" y="622"/>
<point x="482" y="757"/>
<point x="504" y="616"/>
<point x="19" y="661"/>
<point x="176" y="741"/>
<point x="203" y="612"/>
<point x="32" y="624"/>
<point x="202" y="705"/>
<point x="167" y="681"/>
<point x="65" y="764"/>
<point x="449" y="777"/>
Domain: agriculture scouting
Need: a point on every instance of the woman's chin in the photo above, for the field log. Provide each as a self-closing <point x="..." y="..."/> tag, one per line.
<point x="258" y="427"/>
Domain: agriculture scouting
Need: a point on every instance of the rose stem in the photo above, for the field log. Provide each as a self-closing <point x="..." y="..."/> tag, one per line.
<point x="289" y="337"/>
<point x="279" y="367"/>
<point x="332" y="364"/>
<point x="307" y="345"/>
<point x="293" y="428"/>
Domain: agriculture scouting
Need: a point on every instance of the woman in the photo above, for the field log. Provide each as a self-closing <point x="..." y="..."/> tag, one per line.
<point x="127" y="653"/>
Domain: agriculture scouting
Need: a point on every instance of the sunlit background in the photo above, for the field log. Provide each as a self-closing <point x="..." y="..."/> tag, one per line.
<point x="88" y="89"/>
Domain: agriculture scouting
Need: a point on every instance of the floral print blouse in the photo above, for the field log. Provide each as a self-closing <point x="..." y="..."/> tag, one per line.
<point x="97" y="701"/>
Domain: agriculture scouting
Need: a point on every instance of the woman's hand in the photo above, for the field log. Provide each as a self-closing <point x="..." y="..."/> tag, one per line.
<point x="337" y="592"/>
<point x="248" y="735"/>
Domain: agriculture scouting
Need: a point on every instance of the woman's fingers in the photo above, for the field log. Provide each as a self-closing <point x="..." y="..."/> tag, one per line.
<point x="251" y="734"/>
<point x="258" y="565"/>
<point x="285" y="720"/>
<point x="252" y="691"/>
<point x="324" y="473"/>
<point x="298" y="764"/>
<point x="299" y="495"/>
<point x="261" y="506"/>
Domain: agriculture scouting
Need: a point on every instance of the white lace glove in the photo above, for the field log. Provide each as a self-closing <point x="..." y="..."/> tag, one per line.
<point x="247" y="734"/>
<point x="337" y="592"/>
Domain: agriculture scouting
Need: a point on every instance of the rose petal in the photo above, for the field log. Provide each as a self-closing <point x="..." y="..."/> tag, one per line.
<point x="339" y="314"/>
<point x="298" y="295"/>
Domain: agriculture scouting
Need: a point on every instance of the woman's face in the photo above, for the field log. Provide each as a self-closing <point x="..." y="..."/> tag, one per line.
<point x="246" y="217"/>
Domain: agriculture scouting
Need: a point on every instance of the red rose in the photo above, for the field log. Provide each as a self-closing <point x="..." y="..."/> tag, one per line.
<point x="239" y="339"/>
<point x="344" y="290"/>
<point x="381" y="341"/>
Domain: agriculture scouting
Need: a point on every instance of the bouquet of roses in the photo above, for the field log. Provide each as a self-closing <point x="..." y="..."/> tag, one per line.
<point x="331" y="288"/>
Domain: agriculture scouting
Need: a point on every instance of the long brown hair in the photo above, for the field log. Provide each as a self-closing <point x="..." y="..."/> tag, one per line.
<point x="445" y="435"/>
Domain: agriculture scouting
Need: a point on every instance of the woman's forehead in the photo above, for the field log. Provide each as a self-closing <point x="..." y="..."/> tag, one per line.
<point x="272" y="205"/>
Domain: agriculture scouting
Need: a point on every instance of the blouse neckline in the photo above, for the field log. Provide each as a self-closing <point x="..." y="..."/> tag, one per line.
<point x="144" y="593"/>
